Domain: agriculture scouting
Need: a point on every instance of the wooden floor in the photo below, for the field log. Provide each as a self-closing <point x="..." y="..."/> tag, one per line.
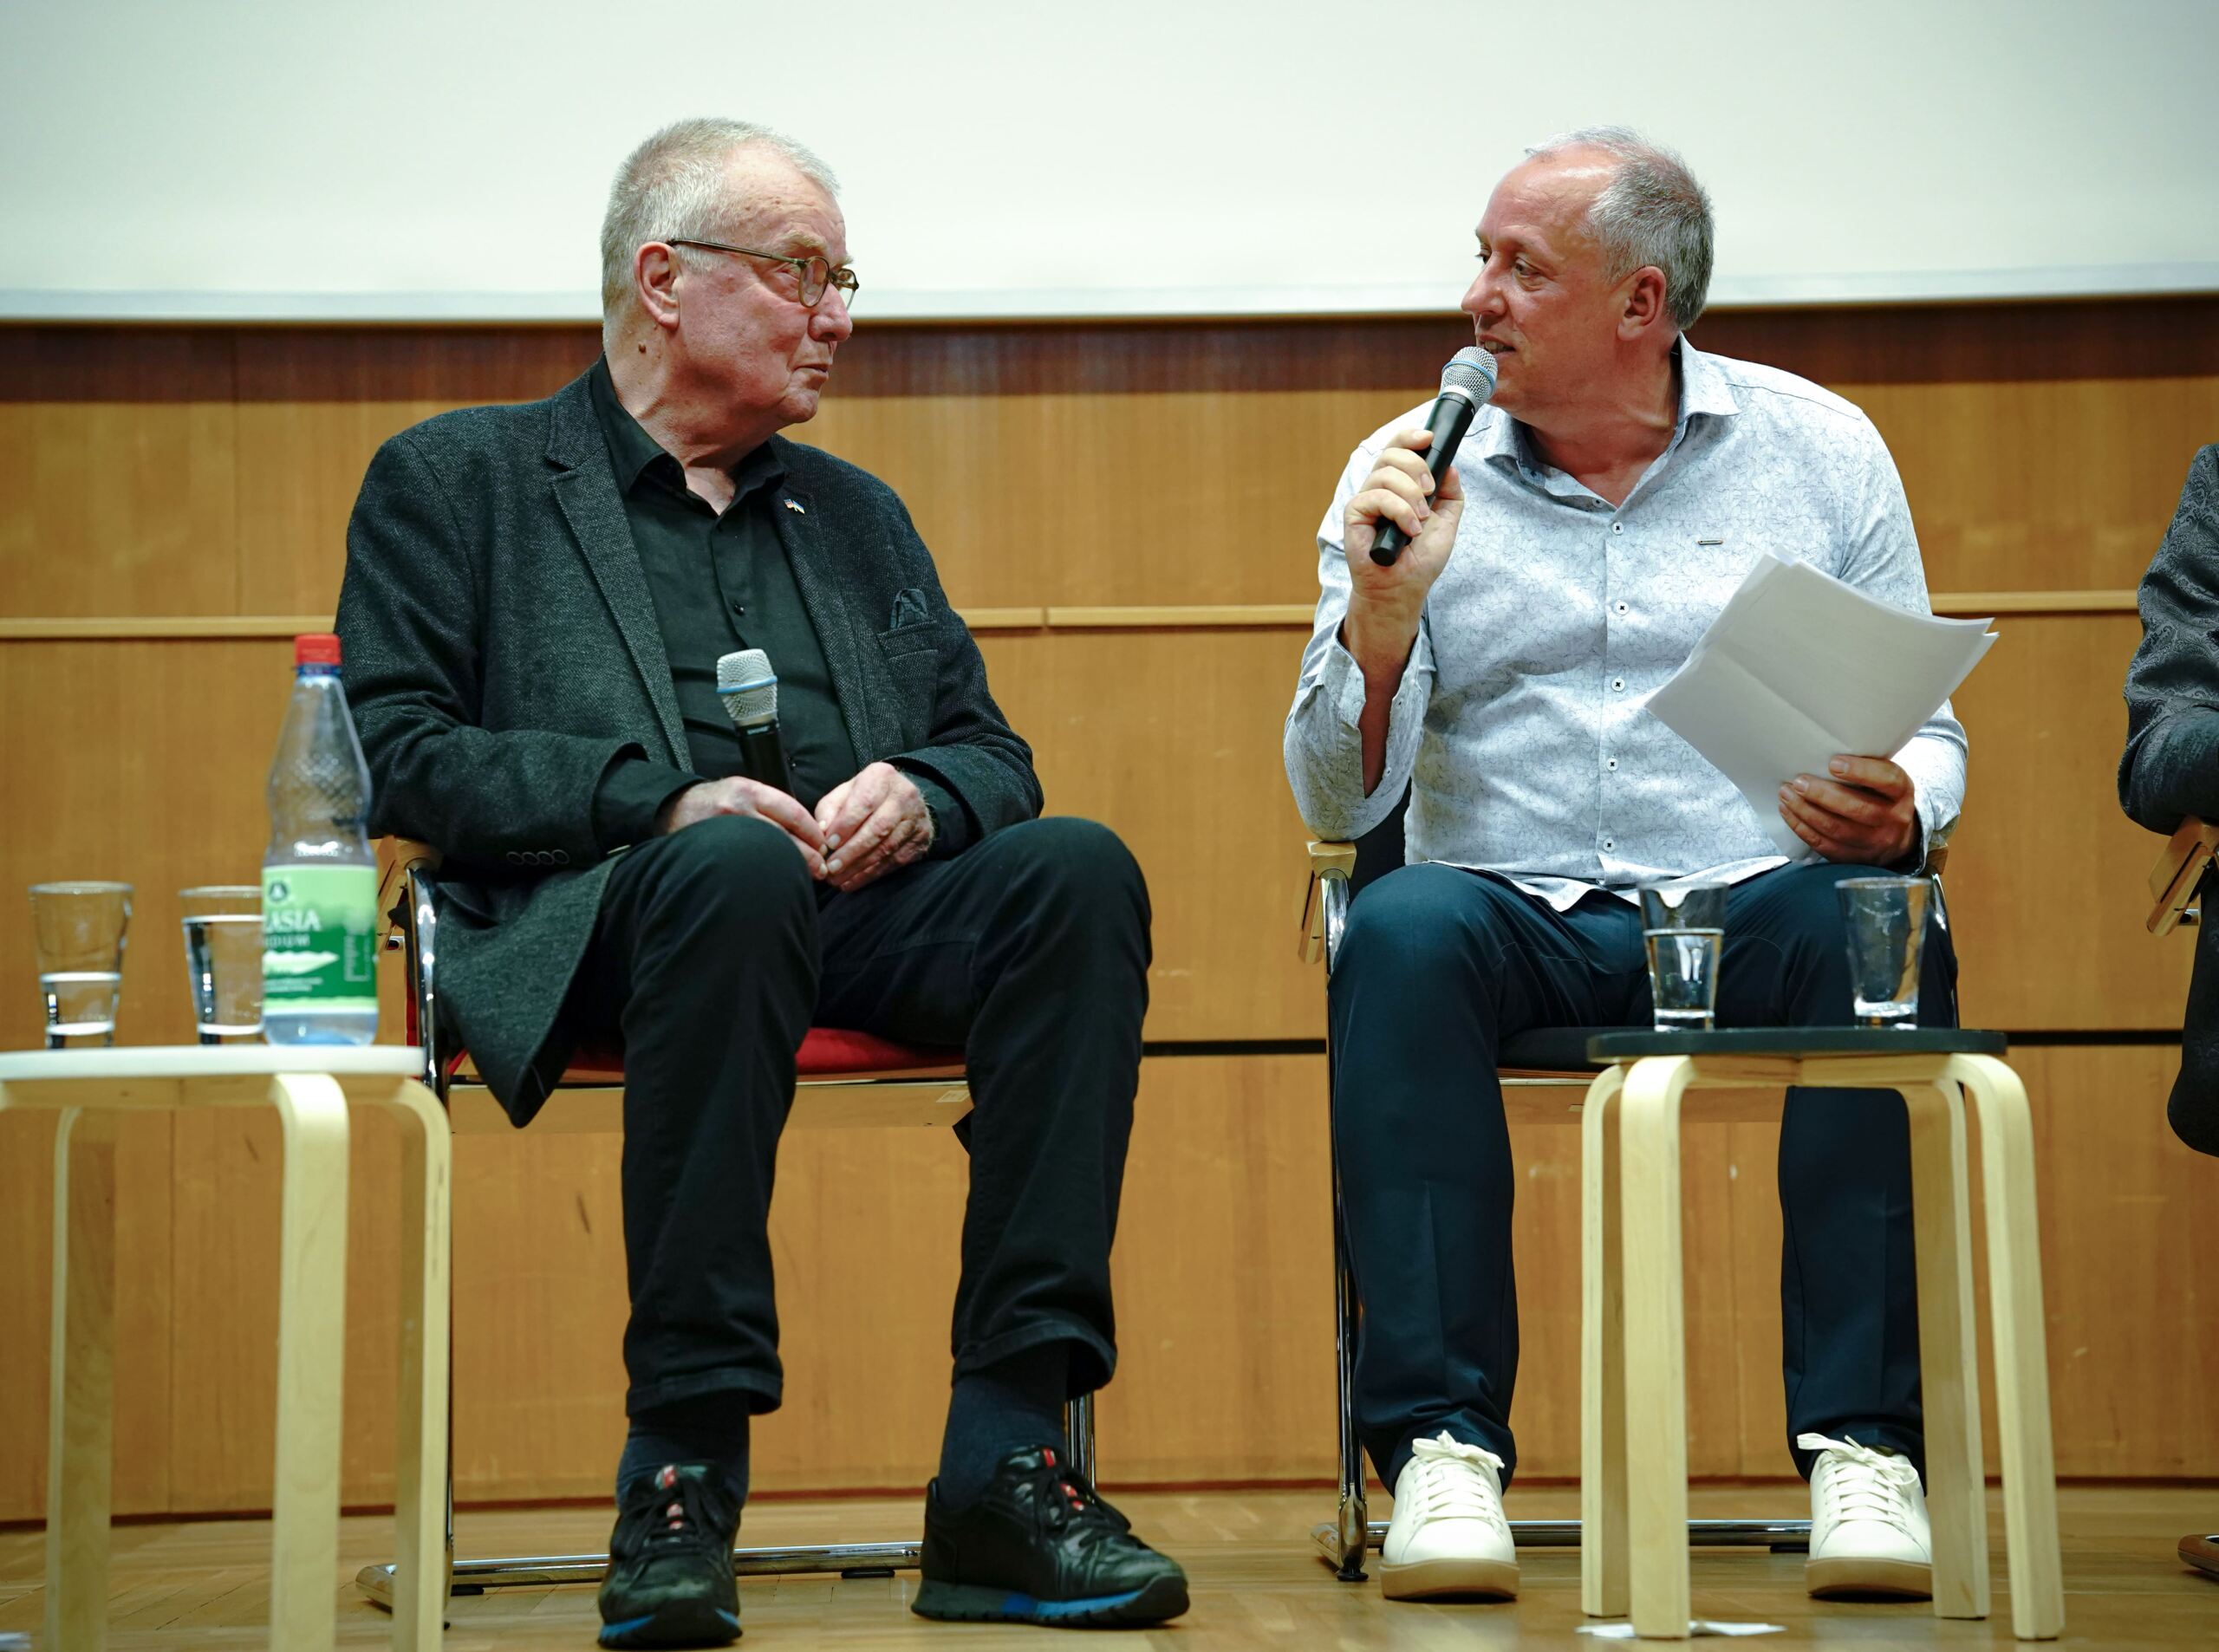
<point x="201" y="1584"/>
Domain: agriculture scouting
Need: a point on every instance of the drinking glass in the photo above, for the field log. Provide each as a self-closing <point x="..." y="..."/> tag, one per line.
<point x="223" y="959"/>
<point x="80" y="931"/>
<point x="1683" y="927"/>
<point x="1884" y="920"/>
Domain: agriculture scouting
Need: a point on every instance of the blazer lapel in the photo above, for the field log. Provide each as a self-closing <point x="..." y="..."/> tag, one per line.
<point x="819" y="584"/>
<point x="586" y="491"/>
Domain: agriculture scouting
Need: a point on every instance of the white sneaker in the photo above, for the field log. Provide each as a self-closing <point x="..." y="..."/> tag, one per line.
<point x="1869" y="1534"/>
<point x="1448" y="1535"/>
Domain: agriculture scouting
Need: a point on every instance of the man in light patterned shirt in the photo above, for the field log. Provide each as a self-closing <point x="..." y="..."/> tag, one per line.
<point x="1598" y="516"/>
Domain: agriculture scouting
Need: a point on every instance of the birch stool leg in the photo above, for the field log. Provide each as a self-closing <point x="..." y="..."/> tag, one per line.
<point x="2014" y="1308"/>
<point x="311" y="1342"/>
<point x="420" y="1558"/>
<point x="1656" y="1346"/>
<point x="1948" y="1356"/>
<point x="1602" y="1356"/>
<point x="81" y="1411"/>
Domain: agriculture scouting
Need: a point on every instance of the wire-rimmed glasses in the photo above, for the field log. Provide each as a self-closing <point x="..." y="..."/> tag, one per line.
<point x="817" y="273"/>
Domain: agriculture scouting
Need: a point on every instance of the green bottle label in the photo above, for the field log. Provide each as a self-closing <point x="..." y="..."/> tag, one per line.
<point x="319" y="936"/>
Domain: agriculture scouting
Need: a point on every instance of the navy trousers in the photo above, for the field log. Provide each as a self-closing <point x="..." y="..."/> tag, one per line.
<point x="1437" y="967"/>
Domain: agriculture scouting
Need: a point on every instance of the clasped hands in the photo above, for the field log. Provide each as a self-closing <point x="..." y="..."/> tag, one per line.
<point x="862" y="829"/>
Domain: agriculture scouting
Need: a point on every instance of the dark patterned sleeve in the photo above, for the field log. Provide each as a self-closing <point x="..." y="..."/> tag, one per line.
<point x="2171" y="767"/>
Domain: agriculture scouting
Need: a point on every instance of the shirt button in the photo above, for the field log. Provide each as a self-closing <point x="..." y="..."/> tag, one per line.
<point x="1608" y="844"/>
<point x="1617" y="683"/>
<point x="1618" y="527"/>
<point x="1610" y="762"/>
<point x="1622" y="608"/>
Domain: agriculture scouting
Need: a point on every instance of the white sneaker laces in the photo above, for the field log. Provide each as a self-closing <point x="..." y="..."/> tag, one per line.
<point x="1863" y="1484"/>
<point x="1453" y="1485"/>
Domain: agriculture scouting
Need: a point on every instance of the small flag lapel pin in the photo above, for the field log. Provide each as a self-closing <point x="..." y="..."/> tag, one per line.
<point x="794" y="507"/>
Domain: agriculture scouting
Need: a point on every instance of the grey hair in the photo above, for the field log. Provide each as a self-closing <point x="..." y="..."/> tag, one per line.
<point x="1652" y="211"/>
<point x="674" y="184"/>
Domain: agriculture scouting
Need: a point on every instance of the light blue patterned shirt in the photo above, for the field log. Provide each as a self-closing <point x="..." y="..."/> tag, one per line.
<point x="1521" y="722"/>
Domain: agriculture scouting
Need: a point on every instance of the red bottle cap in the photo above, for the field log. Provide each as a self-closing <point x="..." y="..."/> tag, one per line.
<point x="317" y="648"/>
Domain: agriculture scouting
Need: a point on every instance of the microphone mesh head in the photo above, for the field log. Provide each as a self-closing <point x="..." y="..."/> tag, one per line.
<point x="749" y="687"/>
<point x="1471" y="370"/>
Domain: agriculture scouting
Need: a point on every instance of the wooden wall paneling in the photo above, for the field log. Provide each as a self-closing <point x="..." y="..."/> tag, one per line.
<point x="144" y="761"/>
<point x="143" y="1372"/>
<point x="1224" y="1276"/>
<point x="2133" y="1316"/>
<point x="539" y="1315"/>
<point x="2046" y="876"/>
<point x="314" y="407"/>
<point x="115" y="472"/>
<point x="2042" y="485"/>
<point x="224" y="1291"/>
<point x="1158" y="498"/>
<point x="1173" y="740"/>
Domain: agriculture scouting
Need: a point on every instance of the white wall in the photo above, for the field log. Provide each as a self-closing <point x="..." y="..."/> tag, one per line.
<point x="412" y="158"/>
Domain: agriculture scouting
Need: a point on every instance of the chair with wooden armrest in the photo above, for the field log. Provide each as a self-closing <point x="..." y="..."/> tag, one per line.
<point x="1544" y="1075"/>
<point x="845" y="1079"/>
<point x="2176" y="893"/>
<point x="2176" y="881"/>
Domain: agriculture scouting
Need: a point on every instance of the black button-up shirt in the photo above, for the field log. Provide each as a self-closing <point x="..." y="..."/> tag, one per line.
<point x="720" y="581"/>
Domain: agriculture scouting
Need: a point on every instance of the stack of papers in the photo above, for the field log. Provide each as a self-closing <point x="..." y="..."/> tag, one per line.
<point x="1800" y="667"/>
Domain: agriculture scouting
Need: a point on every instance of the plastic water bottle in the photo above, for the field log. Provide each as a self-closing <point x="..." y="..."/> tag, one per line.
<point x="320" y="878"/>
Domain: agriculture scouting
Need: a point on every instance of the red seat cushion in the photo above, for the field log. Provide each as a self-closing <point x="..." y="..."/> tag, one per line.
<point x="826" y="1053"/>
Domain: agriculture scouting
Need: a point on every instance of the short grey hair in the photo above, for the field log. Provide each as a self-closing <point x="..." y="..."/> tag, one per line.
<point x="1652" y="211"/>
<point x="674" y="184"/>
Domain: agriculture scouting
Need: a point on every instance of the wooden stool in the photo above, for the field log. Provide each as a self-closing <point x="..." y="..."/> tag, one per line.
<point x="1633" y="1341"/>
<point x="311" y="1087"/>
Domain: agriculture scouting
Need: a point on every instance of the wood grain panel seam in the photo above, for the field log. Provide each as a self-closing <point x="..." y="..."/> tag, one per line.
<point x="1055" y="617"/>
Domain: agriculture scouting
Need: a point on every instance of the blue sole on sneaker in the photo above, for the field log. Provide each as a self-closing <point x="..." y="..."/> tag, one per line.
<point x="1164" y="1598"/>
<point x="687" y="1624"/>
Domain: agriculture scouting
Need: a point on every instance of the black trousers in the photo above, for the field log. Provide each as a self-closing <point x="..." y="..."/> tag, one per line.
<point x="1437" y="967"/>
<point x="714" y="953"/>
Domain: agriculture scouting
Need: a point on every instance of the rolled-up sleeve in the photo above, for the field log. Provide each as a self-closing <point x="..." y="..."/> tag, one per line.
<point x="1325" y="739"/>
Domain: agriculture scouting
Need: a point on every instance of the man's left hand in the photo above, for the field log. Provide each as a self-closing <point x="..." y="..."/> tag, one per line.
<point x="873" y="824"/>
<point x="1862" y="811"/>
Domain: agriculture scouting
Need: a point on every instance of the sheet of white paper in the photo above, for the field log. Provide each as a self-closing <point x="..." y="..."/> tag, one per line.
<point x="1799" y="666"/>
<point x="1695" y="1626"/>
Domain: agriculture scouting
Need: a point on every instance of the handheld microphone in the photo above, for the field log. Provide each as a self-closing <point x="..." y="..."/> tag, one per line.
<point x="1467" y="381"/>
<point x="749" y="689"/>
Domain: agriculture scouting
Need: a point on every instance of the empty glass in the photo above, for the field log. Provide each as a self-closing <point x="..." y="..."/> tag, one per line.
<point x="1683" y="927"/>
<point x="223" y="959"/>
<point x="1885" y="921"/>
<point x="80" y="929"/>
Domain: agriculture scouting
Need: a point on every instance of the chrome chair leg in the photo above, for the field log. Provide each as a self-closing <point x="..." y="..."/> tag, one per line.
<point x="1078" y="1435"/>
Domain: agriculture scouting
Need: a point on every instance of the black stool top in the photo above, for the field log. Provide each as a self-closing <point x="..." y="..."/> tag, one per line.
<point x="1604" y="1048"/>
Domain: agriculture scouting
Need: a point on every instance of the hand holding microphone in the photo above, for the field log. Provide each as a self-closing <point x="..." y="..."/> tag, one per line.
<point x="1401" y="526"/>
<point x="1466" y="382"/>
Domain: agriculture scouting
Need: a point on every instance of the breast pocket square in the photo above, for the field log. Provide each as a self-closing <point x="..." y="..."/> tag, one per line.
<point x="910" y="608"/>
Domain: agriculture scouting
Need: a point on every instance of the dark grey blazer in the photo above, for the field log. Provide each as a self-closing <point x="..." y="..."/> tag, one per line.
<point x="2171" y="767"/>
<point x="502" y="652"/>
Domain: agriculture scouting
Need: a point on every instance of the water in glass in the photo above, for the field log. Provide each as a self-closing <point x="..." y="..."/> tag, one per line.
<point x="79" y="930"/>
<point x="223" y="962"/>
<point x="1683" y="975"/>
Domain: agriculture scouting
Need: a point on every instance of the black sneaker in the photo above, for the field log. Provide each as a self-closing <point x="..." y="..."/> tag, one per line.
<point x="1039" y="1547"/>
<point x="669" y="1581"/>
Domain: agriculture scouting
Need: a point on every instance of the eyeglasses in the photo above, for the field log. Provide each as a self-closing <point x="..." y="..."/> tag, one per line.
<point x="816" y="274"/>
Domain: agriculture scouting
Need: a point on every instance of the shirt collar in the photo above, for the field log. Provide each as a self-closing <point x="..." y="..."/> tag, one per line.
<point x="634" y="452"/>
<point x="1703" y="389"/>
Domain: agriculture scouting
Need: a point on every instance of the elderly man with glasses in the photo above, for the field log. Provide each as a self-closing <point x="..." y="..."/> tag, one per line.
<point x="536" y="601"/>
